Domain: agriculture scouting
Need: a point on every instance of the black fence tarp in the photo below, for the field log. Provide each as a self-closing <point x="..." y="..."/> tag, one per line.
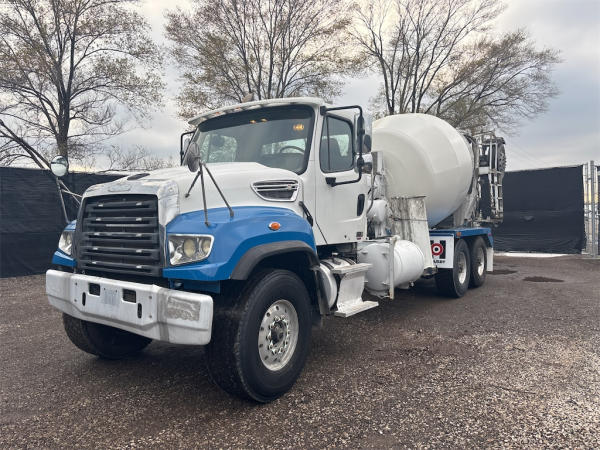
<point x="543" y="211"/>
<point x="31" y="217"/>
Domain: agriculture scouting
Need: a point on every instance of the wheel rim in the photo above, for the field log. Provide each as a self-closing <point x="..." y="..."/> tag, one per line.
<point x="462" y="268"/>
<point x="278" y="335"/>
<point x="480" y="261"/>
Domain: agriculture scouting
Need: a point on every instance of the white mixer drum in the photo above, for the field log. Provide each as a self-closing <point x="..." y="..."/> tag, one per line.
<point x="424" y="155"/>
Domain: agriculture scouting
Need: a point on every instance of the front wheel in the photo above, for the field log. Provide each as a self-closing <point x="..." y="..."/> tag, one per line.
<point x="261" y="337"/>
<point x="102" y="340"/>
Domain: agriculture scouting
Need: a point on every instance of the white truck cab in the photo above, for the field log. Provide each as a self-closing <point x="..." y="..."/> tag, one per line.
<point x="305" y="137"/>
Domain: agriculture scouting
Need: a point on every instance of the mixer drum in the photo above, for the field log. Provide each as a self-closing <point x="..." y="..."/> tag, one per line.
<point x="424" y="155"/>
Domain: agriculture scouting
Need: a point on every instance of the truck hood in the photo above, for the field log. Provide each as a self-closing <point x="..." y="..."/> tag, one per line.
<point x="236" y="181"/>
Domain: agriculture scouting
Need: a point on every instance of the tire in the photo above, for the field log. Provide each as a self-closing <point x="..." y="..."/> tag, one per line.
<point x="235" y="361"/>
<point x="455" y="282"/>
<point x="478" y="262"/>
<point x="102" y="340"/>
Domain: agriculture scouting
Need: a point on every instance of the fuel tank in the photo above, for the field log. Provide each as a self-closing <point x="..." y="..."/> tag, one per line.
<point x="425" y="156"/>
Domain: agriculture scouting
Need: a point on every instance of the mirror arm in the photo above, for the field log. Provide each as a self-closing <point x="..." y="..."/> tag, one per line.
<point x="219" y="190"/>
<point x="187" y="194"/>
<point x="62" y="188"/>
<point x="201" y="172"/>
<point x="201" y="167"/>
<point x="62" y="200"/>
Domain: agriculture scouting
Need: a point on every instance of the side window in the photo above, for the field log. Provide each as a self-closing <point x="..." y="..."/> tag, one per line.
<point x="337" y="151"/>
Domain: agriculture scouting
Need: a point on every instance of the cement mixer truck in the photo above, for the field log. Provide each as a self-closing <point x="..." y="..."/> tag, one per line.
<point x="283" y="211"/>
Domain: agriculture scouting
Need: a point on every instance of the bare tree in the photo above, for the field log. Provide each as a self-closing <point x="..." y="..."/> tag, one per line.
<point x="436" y="57"/>
<point x="16" y="147"/>
<point x="497" y="82"/>
<point x="137" y="158"/>
<point x="271" y="48"/>
<point x="66" y="69"/>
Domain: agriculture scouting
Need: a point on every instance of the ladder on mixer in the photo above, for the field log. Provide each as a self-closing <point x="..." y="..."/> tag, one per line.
<point x="491" y="167"/>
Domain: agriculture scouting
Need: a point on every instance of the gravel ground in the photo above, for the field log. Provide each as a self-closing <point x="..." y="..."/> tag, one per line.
<point x="515" y="363"/>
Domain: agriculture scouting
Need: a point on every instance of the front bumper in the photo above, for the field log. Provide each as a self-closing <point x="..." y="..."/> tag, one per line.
<point x="159" y="313"/>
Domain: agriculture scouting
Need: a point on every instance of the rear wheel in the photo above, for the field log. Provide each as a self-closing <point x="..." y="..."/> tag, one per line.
<point x="478" y="262"/>
<point x="261" y="337"/>
<point x="455" y="282"/>
<point x="102" y="340"/>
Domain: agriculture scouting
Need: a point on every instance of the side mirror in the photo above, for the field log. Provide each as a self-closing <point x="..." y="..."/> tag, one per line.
<point x="183" y="145"/>
<point x="368" y="163"/>
<point x="192" y="157"/>
<point x="367" y="143"/>
<point x="360" y="131"/>
<point x="59" y="166"/>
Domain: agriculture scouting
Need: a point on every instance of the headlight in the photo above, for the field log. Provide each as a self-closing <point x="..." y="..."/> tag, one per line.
<point x="185" y="248"/>
<point x="65" y="243"/>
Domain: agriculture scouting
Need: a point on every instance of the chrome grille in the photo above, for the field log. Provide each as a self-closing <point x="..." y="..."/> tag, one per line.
<point x="277" y="190"/>
<point x="120" y="234"/>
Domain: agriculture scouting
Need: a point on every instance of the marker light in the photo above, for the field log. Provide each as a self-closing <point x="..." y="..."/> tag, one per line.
<point x="298" y="127"/>
<point x="274" y="226"/>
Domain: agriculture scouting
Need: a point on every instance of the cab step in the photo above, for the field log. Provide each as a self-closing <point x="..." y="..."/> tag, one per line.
<point x="355" y="308"/>
<point x="352" y="284"/>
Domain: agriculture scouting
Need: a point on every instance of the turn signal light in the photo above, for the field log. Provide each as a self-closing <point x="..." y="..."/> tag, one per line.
<point x="274" y="226"/>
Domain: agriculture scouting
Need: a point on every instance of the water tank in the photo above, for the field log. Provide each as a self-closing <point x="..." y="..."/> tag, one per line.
<point x="424" y="155"/>
<point x="408" y="264"/>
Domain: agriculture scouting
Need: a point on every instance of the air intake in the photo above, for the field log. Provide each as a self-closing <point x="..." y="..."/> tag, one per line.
<point x="276" y="190"/>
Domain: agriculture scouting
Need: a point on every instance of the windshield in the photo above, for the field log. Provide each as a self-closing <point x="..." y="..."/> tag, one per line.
<point x="274" y="137"/>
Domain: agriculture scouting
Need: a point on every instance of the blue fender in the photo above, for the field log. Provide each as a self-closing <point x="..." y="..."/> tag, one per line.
<point x="235" y="237"/>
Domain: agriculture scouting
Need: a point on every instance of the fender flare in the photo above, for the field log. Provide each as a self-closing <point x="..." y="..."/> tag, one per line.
<point x="256" y="254"/>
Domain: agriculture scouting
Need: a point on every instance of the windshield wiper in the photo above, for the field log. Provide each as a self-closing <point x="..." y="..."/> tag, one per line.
<point x="201" y="167"/>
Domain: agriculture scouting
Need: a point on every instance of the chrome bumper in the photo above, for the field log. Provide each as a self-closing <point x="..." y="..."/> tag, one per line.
<point x="158" y="313"/>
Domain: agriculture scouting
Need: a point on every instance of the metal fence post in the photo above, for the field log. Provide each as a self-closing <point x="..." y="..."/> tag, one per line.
<point x="593" y="208"/>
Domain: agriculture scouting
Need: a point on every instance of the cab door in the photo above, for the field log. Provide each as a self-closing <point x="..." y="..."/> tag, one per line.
<point x="340" y="209"/>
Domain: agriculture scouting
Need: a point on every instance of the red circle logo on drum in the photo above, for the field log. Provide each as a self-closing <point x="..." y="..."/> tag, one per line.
<point x="437" y="249"/>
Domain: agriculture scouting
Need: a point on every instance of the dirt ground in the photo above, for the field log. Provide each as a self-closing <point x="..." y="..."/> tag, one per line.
<point x="515" y="363"/>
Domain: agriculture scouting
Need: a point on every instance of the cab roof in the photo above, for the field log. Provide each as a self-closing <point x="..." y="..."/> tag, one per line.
<point x="310" y="101"/>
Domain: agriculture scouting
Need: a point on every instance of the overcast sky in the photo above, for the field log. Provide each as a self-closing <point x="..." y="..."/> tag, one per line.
<point x="568" y="133"/>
